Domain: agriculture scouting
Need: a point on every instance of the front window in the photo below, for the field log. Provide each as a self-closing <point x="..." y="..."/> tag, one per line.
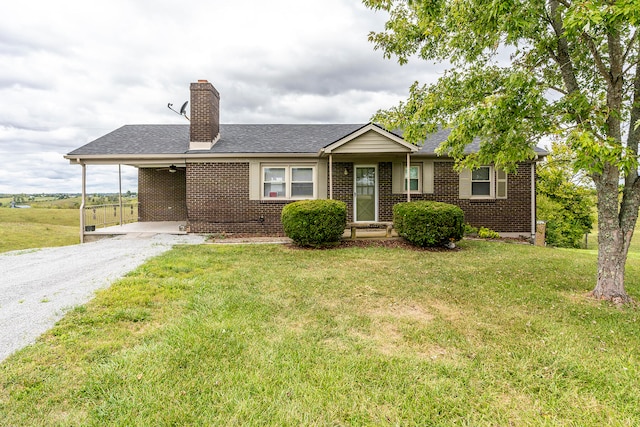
<point x="288" y="182"/>
<point x="275" y="182"/>
<point x="301" y="182"/>
<point x="481" y="182"/>
<point x="413" y="178"/>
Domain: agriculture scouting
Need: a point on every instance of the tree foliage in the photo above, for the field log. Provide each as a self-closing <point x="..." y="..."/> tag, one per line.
<point x="522" y="70"/>
<point x="563" y="201"/>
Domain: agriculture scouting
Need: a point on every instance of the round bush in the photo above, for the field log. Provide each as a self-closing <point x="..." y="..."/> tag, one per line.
<point x="487" y="233"/>
<point x="428" y="223"/>
<point x="314" y="222"/>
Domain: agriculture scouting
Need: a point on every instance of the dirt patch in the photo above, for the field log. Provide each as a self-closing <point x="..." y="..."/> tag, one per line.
<point x="448" y="312"/>
<point x="390" y="243"/>
<point x="363" y="242"/>
<point x="400" y="311"/>
<point x="393" y="242"/>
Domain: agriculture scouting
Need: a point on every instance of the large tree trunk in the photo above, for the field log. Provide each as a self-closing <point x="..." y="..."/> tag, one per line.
<point x="612" y="257"/>
<point x="616" y="219"/>
<point x="614" y="236"/>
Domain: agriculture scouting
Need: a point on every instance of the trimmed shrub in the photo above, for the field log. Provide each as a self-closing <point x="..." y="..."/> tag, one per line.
<point x="428" y="223"/>
<point x="487" y="233"/>
<point x="314" y="223"/>
<point x="470" y="230"/>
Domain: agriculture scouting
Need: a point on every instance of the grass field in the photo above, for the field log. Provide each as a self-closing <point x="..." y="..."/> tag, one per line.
<point x="50" y="202"/>
<point x="37" y="228"/>
<point x="494" y="334"/>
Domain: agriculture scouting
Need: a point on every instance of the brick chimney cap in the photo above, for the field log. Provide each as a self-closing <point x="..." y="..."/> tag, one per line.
<point x="203" y="81"/>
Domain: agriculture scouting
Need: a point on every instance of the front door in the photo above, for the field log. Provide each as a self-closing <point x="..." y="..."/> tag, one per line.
<point x="365" y="203"/>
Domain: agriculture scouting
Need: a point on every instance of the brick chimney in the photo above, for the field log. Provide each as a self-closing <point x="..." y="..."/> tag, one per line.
<point x="205" y="116"/>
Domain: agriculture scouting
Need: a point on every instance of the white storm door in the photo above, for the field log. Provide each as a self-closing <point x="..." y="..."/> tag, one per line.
<point x="365" y="195"/>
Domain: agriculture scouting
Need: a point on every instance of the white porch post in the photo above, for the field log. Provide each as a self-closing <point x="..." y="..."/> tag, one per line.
<point x="330" y="176"/>
<point x="120" y="191"/>
<point x="408" y="177"/>
<point x="82" y="203"/>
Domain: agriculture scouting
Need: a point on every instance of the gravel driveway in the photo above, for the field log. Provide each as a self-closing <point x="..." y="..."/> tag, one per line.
<point x="38" y="286"/>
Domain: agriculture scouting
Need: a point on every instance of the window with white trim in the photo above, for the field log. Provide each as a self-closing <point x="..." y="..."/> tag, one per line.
<point x="414" y="178"/>
<point x="485" y="182"/>
<point x="481" y="182"/>
<point x="288" y="182"/>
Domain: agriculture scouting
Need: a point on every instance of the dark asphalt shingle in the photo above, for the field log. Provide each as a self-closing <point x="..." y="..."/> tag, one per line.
<point x="234" y="138"/>
<point x="139" y="139"/>
<point x="252" y="138"/>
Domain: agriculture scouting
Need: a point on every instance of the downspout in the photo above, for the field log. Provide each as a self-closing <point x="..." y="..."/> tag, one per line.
<point x="82" y="203"/>
<point x="533" y="202"/>
<point x="407" y="179"/>
<point x="120" y="190"/>
<point x="330" y="176"/>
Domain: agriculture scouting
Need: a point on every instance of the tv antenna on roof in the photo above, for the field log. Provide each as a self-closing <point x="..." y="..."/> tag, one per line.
<point x="183" y="109"/>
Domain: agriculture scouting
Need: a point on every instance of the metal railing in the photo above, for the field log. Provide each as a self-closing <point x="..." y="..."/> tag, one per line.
<point x="98" y="216"/>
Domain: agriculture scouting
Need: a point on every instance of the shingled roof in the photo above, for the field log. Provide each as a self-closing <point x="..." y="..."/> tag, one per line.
<point x="238" y="139"/>
<point x="234" y="138"/>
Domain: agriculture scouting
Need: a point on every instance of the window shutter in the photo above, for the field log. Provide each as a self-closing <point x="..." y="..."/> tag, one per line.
<point x="464" y="185"/>
<point x="254" y="180"/>
<point x="322" y="180"/>
<point x="397" y="178"/>
<point x="427" y="177"/>
<point x="501" y="184"/>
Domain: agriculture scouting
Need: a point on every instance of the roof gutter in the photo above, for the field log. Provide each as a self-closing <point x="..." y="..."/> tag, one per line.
<point x="102" y="159"/>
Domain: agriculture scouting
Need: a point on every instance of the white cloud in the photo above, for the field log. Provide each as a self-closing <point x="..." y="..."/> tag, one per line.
<point x="73" y="71"/>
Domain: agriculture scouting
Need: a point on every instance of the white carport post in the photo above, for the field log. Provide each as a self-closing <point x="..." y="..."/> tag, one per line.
<point x="120" y="190"/>
<point x="330" y="176"/>
<point x="407" y="179"/>
<point x="82" y="203"/>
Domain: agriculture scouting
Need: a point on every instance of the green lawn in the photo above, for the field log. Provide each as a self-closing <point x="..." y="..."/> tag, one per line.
<point x="495" y="334"/>
<point x="37" y="228"/>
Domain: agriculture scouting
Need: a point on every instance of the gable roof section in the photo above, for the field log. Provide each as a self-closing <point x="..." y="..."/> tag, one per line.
<point x="369" y="139"/>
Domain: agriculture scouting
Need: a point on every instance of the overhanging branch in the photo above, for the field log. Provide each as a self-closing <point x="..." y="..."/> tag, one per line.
<point x="602" y="68"/>
<point x="630" y="46"/>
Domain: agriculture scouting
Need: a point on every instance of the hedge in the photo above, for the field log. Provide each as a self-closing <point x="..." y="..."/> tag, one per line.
<point x="314" y="222"/>
<point x="427" y="223"/>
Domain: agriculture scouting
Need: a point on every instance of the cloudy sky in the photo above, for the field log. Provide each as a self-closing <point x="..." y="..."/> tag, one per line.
<point x="74" y="70"/>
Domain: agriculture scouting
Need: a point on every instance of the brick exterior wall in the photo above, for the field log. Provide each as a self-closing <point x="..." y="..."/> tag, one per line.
<point x="214" y="198"/>
<point x="162" y="195"/>
<point x="218" y="201"/>
<point x="511" y="215"/>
